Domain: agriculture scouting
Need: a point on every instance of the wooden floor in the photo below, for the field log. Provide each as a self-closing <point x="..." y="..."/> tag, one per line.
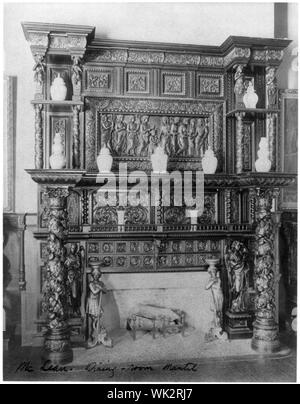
<point x="273" y="369"/>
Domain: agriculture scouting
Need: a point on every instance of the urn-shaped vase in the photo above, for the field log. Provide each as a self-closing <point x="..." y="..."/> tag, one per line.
<point x="159" y="160"/>
<point x="104" y="160"/>
<point x="250" y="98"/>
<point x="209" y="162"/>
<point x="263" y="163"/>
<point x="58" y="89"/>
<point x="57" y="159"/>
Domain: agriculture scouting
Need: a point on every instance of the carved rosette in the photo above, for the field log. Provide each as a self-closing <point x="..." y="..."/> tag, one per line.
<point x="239" y="142"/>
<point x="265" y="333"/>
<point x="57" y="342"/>
<point x="39" y="163"/>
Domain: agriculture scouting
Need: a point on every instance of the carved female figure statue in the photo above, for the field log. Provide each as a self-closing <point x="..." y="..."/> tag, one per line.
<point x="39" y="70"/>
<point x="76" y="73"/>
<point x="214" y="285"/>
<point x="192" y="138"/>
<point x="132" y="131"/>
<point x="145" y="131"/>
<point x="166" y="136"/>
<point x="120" y="135"/>
<point x="94" y="310"/>
<point x="183" y="138"/>
<point x="237" y="269"/>
<point x="201" y="137"/>
<point x="106" y="131"/>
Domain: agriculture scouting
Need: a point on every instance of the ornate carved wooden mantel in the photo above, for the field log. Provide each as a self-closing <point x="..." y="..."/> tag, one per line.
<point x="131" y="96"/>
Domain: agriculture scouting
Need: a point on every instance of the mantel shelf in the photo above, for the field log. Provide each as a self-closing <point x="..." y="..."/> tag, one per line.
<point x="244" y="180"/>
<point x="57" y="103"/>
<point x="253" y="111"/>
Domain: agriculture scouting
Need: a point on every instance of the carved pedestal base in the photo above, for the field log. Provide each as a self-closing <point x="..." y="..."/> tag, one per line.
<point x="238" y="325"/>
<point x="265" y="336"/>
<point x="57" y="347"/>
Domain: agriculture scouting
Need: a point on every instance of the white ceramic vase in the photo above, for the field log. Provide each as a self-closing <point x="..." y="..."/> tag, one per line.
<point x="58" y="90"/>
<point x="209" y="162"/>
<point x="250" y="98"/>
<point x="57" y="159"/>
<point x="263" y="163"/>
<point x="159" y="160"/>
<point x="104" y="160"/>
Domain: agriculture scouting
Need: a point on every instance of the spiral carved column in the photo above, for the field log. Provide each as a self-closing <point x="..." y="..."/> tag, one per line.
<point x="265" y="329"/>
<point x="57" y="346"/>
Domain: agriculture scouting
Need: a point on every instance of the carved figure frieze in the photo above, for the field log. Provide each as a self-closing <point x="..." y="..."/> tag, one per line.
<point x="130" y="136"/>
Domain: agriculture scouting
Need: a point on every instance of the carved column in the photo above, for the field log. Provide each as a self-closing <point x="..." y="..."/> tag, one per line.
<point x="76" y="77"/>
<point x="39" y="161"/>
<point x="57" y="347"/>
<point x="76" y="137"/>
<point x="271" y="136"/>
<point x="265" y="329"/>
<point x="271" y="87"/>
<point x="239" y="142"/>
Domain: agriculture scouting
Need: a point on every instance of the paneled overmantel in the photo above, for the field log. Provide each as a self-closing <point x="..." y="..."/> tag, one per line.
<point x="133" y="97"/>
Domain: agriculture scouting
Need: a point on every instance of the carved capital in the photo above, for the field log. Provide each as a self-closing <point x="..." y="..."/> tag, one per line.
<point x="237" y="54"/>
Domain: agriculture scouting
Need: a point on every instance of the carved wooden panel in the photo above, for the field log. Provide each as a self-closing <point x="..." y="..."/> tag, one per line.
<point x="73" y="208"/>
<point x="152" y="255"/>
<point x="173" y="83"/>
<point x="210" y="85"/>
<point x="99" y="80"/>
<point x="61" y="123"/>
<point x="137" y="81"/>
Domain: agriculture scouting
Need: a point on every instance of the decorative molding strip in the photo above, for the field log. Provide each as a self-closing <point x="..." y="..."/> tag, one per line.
<point x="124" y="105"/>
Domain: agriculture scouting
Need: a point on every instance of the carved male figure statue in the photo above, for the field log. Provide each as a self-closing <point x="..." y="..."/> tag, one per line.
<point x="145" y="131"/>
<point x="201" y="137"/>
<point x="239" y="87"/>
<point x="192" y="138"/>
<point x="73" y="265"/>
<point x="237" y="269"/>
<point x="120" y="135"/>
<point x="174" y="132"/>
<point x="106" y="131"/>
<point x="94" y="310"/>
<point x="166" y="136"/>
<point x="183" y="138"/>
<point x="132" y="130"/>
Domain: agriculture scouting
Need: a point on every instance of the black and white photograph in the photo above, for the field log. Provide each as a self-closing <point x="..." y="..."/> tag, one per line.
<point x="150" y="158"/>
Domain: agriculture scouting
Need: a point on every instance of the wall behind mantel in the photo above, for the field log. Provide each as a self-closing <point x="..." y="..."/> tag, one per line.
<point x="193" y="23"/>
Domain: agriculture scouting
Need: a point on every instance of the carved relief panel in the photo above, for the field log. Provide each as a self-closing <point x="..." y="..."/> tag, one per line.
<point x="152" y="255"/>
<point x="99" y="80"/>
<point x="173" y="83"/>
<point x="73" y="208"/>
<point x="137" y="81"/>
<point x="210" y="85"/>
